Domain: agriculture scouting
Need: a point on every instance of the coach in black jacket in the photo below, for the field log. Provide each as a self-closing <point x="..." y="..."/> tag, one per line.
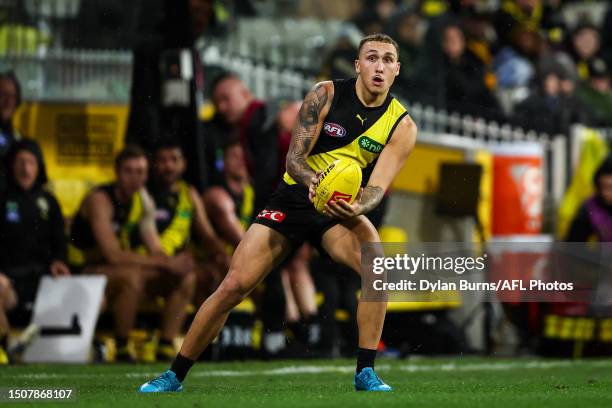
<point x="32" y="238"/>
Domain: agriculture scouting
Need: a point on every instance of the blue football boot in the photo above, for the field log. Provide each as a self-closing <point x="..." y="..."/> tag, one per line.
<point x="166" y="382"/>
<point x="367" y="380"/>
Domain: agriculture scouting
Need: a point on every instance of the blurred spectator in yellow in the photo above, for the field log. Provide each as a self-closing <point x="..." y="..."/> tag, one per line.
<point x="594" y="218"/>
<point x="584" y="47"/>
<point x="100" y="243"/>
<point x="32" y="238"/>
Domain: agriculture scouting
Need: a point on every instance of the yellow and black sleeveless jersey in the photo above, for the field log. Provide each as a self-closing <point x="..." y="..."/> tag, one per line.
<point x="83" y="249"/>
<point x="352" y="130"/>
<point x="173" y="217"/>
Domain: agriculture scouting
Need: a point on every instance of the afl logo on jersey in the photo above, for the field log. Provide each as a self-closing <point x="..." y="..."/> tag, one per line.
<point x="334" y="130"/>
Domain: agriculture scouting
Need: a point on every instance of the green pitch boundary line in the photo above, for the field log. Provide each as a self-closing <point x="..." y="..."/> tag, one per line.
<point x="314" y="369"/>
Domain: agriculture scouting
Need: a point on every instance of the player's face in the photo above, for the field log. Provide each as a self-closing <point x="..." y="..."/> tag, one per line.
<point x="169" y="165"/>
<point x="25" y="169"/>
<point x="132" y="175"/>
<point x="231" y="98"/>
<point x="377" y="66"/>
<point x="605" y="188"/>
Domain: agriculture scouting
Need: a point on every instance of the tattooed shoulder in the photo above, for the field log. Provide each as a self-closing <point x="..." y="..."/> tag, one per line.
<point x="314" y="102"/>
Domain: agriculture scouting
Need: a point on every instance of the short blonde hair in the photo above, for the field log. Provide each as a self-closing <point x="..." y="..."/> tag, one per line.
<point x="383" y="38"/>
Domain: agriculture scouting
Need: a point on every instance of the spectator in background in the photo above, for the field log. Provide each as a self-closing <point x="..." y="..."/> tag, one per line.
<point x="428" y="86"/>
<point x="594" y="218"/>
<point x="464" y="79"/>
<point x="339" y="62"/>
<point x="405" y="27"/>
<point x="553" y="106"/>
<point x="597" y="93"/>
<point x="585" y="46"/>
<point x="240" y="116"/>
<point x="514" y="65"/>
<point x="101" y="243"/>
<point x="10" y="99"/>
<point x="32" y="239"/>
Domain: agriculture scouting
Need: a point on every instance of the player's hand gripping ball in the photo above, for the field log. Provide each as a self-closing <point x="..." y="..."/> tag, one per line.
<point x="341" y="180"/>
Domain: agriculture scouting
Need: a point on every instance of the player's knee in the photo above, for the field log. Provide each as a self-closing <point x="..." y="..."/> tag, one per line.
<point x="367" y="232"/>
<point x="232" y="291"/>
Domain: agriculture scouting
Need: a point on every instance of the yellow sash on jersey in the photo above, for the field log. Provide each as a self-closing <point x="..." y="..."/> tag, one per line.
<point x="246" y="209"/>
<point x="365" y="148"/>
<point x="176" y="236"/>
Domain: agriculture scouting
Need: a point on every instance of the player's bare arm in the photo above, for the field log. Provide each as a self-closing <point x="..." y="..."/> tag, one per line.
<point x="390" y="162"/>
<point x="99" y="211"/>
<point x="222" y="210"/>
<point x="306" y="130"/>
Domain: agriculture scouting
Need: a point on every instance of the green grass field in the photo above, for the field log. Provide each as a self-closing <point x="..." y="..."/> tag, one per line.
<point x="460" y="382"/>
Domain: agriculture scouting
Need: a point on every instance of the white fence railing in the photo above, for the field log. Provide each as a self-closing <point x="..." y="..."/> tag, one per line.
<point x="73" y="75"/>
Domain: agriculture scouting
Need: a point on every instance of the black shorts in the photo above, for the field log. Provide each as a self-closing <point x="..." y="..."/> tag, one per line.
<point x="290" y="212"/>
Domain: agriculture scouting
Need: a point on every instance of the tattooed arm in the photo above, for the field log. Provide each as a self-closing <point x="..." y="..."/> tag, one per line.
<point x="306" y="131"/>
<point x="390" y="162"/>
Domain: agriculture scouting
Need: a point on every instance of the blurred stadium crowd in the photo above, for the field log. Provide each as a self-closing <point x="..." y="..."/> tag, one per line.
<point x="186" y="189"/>
<point x="523" y="62"/>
